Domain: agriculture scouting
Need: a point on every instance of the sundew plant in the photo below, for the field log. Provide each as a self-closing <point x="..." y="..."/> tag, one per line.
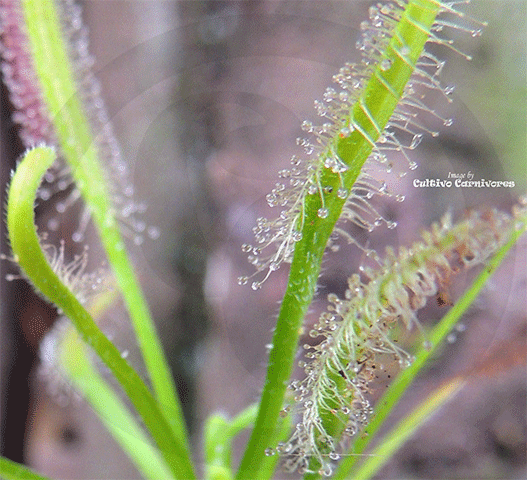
<point x="322" y="423"/>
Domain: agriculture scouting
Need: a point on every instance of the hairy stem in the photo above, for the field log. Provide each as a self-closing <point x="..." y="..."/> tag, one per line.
<point x="371" y="114"/>
<point x="79" y="148"/>
<point x="436" y="338"/>
<point x="32" y="260"/>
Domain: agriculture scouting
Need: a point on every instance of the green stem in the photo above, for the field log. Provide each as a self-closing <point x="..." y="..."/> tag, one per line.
<point x="219" y="433"/>
<point x="112" y="411"/>
<point x="10" y="470"/>
<point x="406" y="428"/>
<point x="77" y="144"/>
<point x="32" y="260"/>
<point x="379" y="99"/>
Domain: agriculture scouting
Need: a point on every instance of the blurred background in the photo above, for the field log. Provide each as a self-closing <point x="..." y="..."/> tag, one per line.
<point x="207" y="99"/>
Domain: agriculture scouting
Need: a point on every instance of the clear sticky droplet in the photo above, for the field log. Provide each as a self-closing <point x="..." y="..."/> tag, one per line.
<point x="139" y="226"/>
<point x="63" y="185"/>
<point x="297" y="236"/>
<point x="416" y="140"/>
<point x="449" y="89"/>
<point x="153" y="232"/>
<point x="322" y="212"/>
<point x="307" y="126"/>
<point x="326" y="471"/>
<point x="77" y="237"/>
<point x="342" y="193"/>
<point x="312" y="189"/>
<point x="44" y="194"/>
<point x="53" y="224"/>
<point x="129" y="190"/>
<point x="49" y="177"/>
<point x="385" y="64"/>
<point x="269" y="452"/>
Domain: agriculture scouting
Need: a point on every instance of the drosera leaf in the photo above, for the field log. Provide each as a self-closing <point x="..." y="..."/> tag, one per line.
<point x="28" y="253"/>
<point x="373" y="110"/>
<point x="434" y="340"/>
<point x="375" y="102"/>
<point x="76" y="141"/>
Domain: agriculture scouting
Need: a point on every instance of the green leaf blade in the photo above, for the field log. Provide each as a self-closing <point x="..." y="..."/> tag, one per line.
<point x="34" y="264"/>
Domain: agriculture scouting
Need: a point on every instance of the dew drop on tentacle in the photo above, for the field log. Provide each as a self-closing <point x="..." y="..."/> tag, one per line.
<point x="322" y="212"/>
<point x="385" y="64"/>
<point x="77" y="237"/>
<point x="416" y="140"/>
<point x="449" y="89"/>
<point x="44" y="194"/>
<point x="326" y="471"/>
<point x="269" y="452"/>
<point x="342" y="193"/>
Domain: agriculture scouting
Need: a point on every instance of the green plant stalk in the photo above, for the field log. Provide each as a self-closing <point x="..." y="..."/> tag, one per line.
<point x="110" y="409"/>
<point x="217" y="449"/>
<point x="219" y="434"/>
<point x="379" y="98"/>
<point x="10" y="470"/>
<point x="75" y="360"/>
<point x="32" y="260"/>
<point x="435" y="339"/>
<point x="59" y="91"/>
<point x="405" y="429"/>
